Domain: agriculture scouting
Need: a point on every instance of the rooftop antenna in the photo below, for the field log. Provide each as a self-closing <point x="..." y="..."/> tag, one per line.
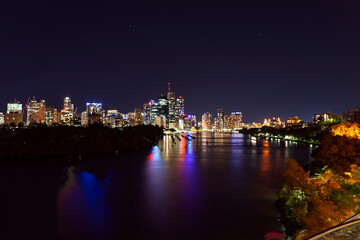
<point x="168" y="87"/>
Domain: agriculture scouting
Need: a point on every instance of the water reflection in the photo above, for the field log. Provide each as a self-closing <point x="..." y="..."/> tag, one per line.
<point x="82" y="199"/>
<point x="171" y="183"/>
<point x="217" y="185"/>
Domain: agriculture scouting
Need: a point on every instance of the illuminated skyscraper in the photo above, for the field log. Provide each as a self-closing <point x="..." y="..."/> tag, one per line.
<point x="66" y="116"/>
<point x="154" y="112"/>
<point x="227" y="123"/>
<point x="138" y="116"/>
<point x="130" y="117"/>
<point x="51" y="115"/>
<point x="181" y="106"/>
<point x="172" y="102"/>
<point x="168" y="106"/>
<point x="94" y="112"/>
<point x="84" y="119"/>
<point x="193" y="122"/>
<point x="160" y="121"/>
<point x="216" y="124"/>
<point x="220" y="116"/>
<point x="207" y="121"/>
<point x="179" y="110"/>
<point x="14" y="113"/>
<point x="163" y="109"/>
<point x="2" y="118"/>
<point x="187" y="122"/>
<point x="112" y="118"/>
<point x="148" y="112"/>
<point x="236" y="120"/>
<point x="35" y="112"/>
<point x="181" y="123"/>
<point x="14" y="107"/>
<point x="67" y="104"/>
<point x="103" y="116"/>
<point x="67" y="113"/>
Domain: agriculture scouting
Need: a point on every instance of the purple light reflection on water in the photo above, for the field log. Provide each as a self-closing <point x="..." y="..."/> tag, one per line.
<point x="82" y="207"/>
<point x="172" y="191"/>
<point x="219" y="185"/>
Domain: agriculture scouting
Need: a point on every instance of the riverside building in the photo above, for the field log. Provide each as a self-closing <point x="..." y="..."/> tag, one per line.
<point x="206" y="121"/>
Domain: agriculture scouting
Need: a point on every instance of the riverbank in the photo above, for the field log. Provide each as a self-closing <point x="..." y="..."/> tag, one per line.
<point x="285" y="138"/>
<point x="308" y="135"/>
<point x="328" y="193"/>
<point x="42" y="141"/>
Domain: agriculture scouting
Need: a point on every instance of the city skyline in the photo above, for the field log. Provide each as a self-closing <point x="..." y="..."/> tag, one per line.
<point x="68" y="106"/>
<point x="259" y="57"/>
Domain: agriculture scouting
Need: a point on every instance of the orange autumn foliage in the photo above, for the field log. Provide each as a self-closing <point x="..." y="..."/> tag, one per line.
<point x="295" y="176"/>
<point x="349" y="130"/>
<point x="315" y="204"/>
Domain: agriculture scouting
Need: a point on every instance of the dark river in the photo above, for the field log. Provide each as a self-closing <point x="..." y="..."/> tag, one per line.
<point x="218" y="186"/>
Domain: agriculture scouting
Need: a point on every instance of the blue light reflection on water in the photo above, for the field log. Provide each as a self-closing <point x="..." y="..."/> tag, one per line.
<point x="172" y="184"/>
<point x="209" y="185"/>
<point x="83" y="200"/>
<point x="94" y="190"/>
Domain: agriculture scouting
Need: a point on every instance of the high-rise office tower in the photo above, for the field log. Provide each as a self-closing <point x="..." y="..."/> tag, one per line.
<point x="51" y="115"/>
<point x="138" y="116"/>
<point x="172" y="111"/>
<point x="154" y="112"/>
<point x="163" y="110"/>
<point x="67" y="113"/>
<point x="84" y="119"/>
<point x="236" y="120"/>
<point x="188" y="122"/>
<point x="179" y="110"/>
<point x="220" y="116"/>
<point x="112" y="118"/>
<point x="36" y="112"/>
<point x="207" y="121"/>
<point x="68" y="104"/>
<point x="14" y="113"/>
<point x="181" y="106"/>
<point x="160" y="121"/>
<point x="227" y="122"/>
<point x="66" y="117"/>
<point x="130" y="117"/>
<point x="193" y="122"/>
<point x="103" y="116"/>
<point x="2" y="118"/>
<point x="94" y="112"/>
<point x="149" y="116"/>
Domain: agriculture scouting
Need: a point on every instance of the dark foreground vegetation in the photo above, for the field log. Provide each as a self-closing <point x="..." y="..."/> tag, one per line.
<point x="26" y="143"/>
<point x="329" y="192"/>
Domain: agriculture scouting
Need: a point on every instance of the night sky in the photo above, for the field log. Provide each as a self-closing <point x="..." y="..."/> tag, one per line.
<point x="263" y="58"/>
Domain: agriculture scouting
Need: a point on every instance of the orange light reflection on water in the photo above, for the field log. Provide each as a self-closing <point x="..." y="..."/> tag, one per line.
<point x="265" y="162"/>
